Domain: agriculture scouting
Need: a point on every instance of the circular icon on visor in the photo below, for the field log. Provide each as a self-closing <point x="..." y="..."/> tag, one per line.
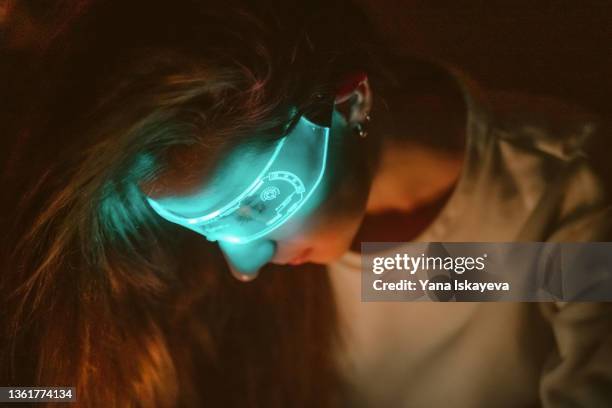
<point x="270" y="193"/>
<point x="275" y="198"/>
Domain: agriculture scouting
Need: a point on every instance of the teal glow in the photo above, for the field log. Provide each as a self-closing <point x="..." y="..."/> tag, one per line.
<point x="290" y="176"/>
<point x="200" y="220"/>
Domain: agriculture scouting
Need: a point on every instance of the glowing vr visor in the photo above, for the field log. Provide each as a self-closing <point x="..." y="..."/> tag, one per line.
<point x="288" y="180"/>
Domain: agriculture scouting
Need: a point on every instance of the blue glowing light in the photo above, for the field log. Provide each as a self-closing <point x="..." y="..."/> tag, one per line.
<point x="287" y="181"/>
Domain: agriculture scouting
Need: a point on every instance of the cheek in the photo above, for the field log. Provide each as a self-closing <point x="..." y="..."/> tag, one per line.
<point x="330" y="233"/>
<point x="329" y="230"/>
<point x="331" y="240"/>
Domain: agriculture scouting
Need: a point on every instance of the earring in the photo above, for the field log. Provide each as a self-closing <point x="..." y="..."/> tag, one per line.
<point x="360" y="127"/>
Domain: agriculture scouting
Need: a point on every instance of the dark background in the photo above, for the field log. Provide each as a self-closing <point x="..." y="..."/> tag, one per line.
<point x="555" y="48"/>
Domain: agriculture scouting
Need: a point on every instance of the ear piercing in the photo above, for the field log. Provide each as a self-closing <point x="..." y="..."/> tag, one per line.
<point x="360" y="127"/>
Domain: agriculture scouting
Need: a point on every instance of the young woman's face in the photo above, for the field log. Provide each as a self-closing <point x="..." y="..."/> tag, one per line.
<point x="294" y="201"/>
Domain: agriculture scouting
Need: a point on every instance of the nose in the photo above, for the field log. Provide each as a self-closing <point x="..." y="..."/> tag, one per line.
<point x="245" y="260"/>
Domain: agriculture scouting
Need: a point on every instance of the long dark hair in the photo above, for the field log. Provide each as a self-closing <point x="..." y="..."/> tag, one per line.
<point x="99" y="293"/>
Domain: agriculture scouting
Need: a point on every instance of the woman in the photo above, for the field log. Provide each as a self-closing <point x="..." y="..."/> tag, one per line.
<point x="151" y="117"/>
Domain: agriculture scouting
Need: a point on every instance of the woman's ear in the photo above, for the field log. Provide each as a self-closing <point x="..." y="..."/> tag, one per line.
<point x="354" y="98"/>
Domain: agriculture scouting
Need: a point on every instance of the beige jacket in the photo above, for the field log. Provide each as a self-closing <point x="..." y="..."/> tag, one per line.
<point x="527" y="177"/>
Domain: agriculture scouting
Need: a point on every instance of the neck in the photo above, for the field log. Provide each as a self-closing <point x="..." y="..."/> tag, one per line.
<point x="411" y="176"/>
<point x="422" y="123"/>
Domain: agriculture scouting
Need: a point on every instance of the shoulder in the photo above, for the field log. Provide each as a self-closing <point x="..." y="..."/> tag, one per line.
<point x="546" y="124"/>
<point x="542" y="148"/>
